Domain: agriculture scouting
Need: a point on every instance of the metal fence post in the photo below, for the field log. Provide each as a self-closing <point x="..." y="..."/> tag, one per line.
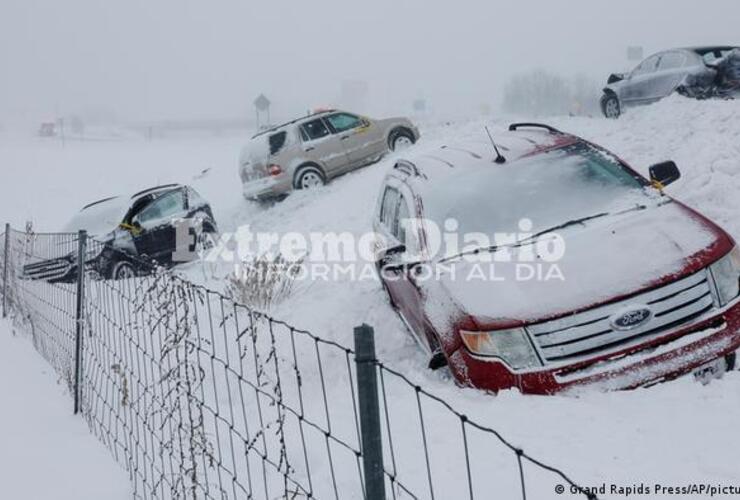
<point x="367" y="394"/>
<point x="79" y="316"/>
<point x="6" y="260"/>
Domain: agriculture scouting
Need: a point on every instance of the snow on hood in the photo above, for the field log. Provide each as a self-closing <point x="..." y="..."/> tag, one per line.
<point x="606" y="259"/>
<point x="101" y="218"/>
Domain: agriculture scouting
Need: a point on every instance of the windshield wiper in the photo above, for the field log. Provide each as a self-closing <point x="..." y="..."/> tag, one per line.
<point x="524" y="241"/>
<point x="534" y="236"/>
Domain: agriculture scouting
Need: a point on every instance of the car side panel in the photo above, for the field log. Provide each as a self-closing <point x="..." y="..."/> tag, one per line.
<point x="365" y="144"/>
<point x="328" y="152"/>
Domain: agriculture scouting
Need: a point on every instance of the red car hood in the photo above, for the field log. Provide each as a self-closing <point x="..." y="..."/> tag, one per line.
<point x="605" y="260"/>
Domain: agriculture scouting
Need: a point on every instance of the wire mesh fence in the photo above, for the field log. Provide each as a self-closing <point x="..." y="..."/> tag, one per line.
<point x="200" y="397"/>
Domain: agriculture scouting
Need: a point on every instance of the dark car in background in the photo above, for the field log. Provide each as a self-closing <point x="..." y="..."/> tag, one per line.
<point x="699" y="72"/>
<point x="129" y="235"/>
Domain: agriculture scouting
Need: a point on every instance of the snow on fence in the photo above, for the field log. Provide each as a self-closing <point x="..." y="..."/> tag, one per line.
<point x="200" y="397"/>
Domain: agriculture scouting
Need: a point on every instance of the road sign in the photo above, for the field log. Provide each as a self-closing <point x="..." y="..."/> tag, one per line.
<point x="262" y="103"/>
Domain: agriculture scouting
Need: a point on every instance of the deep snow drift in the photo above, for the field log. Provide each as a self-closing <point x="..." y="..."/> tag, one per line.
<point x="671" y="434"/>
<point x="46" y="451"/>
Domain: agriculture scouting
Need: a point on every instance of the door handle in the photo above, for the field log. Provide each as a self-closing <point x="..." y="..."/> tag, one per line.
<point x="344" y="138"/>
<point x="310" y="149"/>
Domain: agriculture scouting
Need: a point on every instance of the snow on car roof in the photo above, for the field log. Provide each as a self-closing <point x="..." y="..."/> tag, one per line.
<point x="441" y="160"/>
<point x="291" y="122"/>
<point x="704" y="50"/>
<point x="102" y="216"/>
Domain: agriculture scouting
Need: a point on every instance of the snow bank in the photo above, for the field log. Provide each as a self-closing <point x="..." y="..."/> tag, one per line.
<point x="46" y="451"/>
<point x="673" y="433"/>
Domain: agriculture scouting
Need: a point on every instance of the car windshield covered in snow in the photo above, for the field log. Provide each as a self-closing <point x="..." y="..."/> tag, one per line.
<point x="551" y="188"/>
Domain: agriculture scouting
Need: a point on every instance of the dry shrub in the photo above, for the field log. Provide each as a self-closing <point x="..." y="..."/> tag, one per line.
<point x="263" y="282"/>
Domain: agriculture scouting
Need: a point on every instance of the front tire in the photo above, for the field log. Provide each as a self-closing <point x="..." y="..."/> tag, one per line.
<point x="309" y="177"/>
<point x="610" y="106"/>
<point x="122" y="270"/>
<point x="401" y="139"/>
<point x="731" y="360"/>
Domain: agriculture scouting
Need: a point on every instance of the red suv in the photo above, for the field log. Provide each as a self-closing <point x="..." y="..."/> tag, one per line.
<point x="640" y="288"/>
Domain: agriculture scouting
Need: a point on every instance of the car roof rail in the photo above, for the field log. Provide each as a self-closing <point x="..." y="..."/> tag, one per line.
<point x="155" y="188"/>
<point x="310" y="114"/>
<point x="516" y="126"/>
<point x="98" y="202"/>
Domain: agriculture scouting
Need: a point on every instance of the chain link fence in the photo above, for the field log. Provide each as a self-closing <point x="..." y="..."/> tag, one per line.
<point x="200" y="397"/>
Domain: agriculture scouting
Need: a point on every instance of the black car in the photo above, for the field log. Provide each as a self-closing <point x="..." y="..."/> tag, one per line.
<point x="699" y="72"/>
<point x="130" y="235"/>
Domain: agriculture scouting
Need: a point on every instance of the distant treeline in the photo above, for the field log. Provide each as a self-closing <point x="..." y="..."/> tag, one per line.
<point x="539" y="92"/>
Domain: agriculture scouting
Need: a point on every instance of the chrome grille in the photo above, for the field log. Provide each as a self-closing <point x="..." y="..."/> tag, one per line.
<point x="591" y="332"/>
<point x="47" y="270"/>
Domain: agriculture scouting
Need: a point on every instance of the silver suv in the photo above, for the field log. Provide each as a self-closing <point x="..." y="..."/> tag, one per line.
<point x="310" y="151"/>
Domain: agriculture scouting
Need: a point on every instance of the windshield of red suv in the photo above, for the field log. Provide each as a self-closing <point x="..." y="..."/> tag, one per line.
<point x="550" y="188"/>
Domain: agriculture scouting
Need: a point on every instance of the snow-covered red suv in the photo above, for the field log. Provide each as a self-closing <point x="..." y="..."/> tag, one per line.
<point x="645" y="289"/>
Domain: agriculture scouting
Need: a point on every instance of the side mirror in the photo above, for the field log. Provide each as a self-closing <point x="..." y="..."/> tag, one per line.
<point x="663" y="174"/>
<point x="616" y="77"/>
<point x="394" y="260"/>
<point x="386" y="253"/>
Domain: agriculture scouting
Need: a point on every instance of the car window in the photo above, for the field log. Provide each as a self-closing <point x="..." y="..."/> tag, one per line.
<point x="647" y="66"/>
<point x="277" y="142"/>
<point x="713" y="55"/>
<point x="388" y="207"/>
<point x="402" y="214"/>
<point x="342" y="122"/>
<point x="549" y="189"/>
<point x="315" y="129"/>
<point x="164" y="207"/>
<point x="672" y="60"/>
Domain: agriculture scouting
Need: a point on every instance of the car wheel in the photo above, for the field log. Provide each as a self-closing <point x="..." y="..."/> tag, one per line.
<point x="123" y="270"/>
<point x="309" y="177"/>
<point x="610" y="106"/>
<point x="731" y="360"/>
<point x="401" y="139"/>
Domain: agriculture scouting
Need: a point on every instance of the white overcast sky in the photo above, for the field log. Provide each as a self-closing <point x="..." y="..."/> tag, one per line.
<point x="157" y="59"/>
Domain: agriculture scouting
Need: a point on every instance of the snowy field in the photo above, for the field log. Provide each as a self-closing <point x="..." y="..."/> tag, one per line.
<point x="671" y="434"/>
<point x="46" y="451"/>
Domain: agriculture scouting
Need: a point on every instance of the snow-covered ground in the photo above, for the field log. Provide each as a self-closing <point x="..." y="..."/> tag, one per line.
<point x="675" y="433"/>
<point x="46" y="451"/>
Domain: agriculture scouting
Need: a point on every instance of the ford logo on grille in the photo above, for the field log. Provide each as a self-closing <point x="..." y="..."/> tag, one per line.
<point x="631" y="317"/>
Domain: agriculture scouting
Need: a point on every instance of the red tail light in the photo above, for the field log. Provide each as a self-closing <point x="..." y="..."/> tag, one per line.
<point x="274" y="169"/>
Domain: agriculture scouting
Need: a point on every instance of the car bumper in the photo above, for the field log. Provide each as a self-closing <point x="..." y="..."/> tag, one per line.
<point x="266" y="187"/>
<point x="672" y="355"/>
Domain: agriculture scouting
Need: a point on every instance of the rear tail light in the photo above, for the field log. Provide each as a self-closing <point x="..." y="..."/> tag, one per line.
<point x="274" y="169"/>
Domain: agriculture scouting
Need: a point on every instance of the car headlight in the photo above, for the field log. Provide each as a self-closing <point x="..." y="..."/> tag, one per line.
<point x="726" y="274"/>
<point x="512" y="346"/>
